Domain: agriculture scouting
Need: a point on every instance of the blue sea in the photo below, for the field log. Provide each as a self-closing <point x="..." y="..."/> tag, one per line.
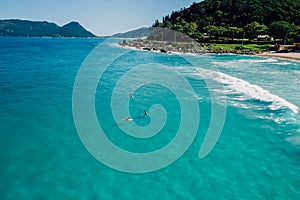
<point x="245" y="108"/>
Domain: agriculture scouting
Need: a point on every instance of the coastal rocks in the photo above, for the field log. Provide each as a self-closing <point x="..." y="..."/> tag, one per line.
<point x="182" y="47"/>
<point x="165" y="47"/>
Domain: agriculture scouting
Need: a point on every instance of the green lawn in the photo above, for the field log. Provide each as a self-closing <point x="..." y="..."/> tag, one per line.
<point x="236" y="47"/>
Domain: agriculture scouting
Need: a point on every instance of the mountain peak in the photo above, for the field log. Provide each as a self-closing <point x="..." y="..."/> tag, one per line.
<point x="72" y="23"/>
<point x="73" y="29"/>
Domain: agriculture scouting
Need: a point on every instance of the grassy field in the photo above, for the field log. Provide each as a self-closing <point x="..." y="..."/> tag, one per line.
<point x="258" y="48"/>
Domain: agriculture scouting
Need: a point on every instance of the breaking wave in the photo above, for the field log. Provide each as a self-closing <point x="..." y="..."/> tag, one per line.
<point x="247" y="90"/>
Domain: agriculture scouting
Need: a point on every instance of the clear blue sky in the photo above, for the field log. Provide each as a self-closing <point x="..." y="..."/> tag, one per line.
<point x="102" y="17"/>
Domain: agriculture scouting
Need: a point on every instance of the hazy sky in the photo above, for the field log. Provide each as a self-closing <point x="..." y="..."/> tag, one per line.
<point x="99" y="16"/>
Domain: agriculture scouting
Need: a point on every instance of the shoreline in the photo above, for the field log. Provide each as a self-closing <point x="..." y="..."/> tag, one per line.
<point x="197" y="49"/>
<point x="164" y="47"/>
<point x="159" y="51"/>
<point x="290" y="56"/>
<point x="184" y="47"/>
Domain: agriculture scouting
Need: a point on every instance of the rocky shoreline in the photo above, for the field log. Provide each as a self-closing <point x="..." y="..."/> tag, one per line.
<point x="165" y="47"/>
<point x="180" y="47"/>
<point x="197" y="48"/>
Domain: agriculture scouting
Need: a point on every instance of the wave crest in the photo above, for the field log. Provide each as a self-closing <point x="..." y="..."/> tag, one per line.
<point x="248" y="90"/>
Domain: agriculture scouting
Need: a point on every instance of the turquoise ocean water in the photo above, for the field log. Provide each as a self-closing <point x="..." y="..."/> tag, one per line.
<point x="42" y="157"/>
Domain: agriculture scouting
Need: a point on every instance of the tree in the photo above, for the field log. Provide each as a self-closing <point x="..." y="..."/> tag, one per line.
<point x="168" y="25"/>
<point x="296" y="34"/>
<point x="282" y="29"/>
<point x="233" y="31"/>
<point x="190" y="28"/>
<point x="155" y="24"/>
<point x="215" y="30"/>
<point x="254" y="29"/>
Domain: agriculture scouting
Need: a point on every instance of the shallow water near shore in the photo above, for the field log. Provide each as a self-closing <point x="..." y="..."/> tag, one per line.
<point x="257" y="155"/>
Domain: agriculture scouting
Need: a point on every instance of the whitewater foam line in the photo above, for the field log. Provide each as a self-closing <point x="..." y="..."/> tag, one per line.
<point x="251" y="61"/>
<point x="249" y="90"/>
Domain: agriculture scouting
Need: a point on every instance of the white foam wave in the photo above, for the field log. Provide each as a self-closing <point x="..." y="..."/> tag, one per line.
<point x="248" y="90"/>
<point x="269" y="60"/>
<point x="282" y="63"/>
<point x="234" y="63"/>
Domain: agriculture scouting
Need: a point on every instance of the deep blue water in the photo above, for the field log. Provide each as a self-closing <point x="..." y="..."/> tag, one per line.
<point x="42" y="157"/>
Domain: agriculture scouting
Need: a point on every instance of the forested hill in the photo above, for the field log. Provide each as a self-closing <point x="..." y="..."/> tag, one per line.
<point x="233" y="13"/>
<point x="26" y="28"/>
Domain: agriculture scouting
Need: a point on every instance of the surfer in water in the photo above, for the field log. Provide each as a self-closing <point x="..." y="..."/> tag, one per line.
<point x="130" y="95"/>
<point x="146" y="112"/>
<point x="128" y="119"/>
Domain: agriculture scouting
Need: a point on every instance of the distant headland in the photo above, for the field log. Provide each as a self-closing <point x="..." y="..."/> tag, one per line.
<point x="26" y="28"/>
<point x="137" y="33"/>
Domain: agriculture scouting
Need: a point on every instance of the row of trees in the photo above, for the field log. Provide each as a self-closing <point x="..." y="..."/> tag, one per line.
<point x="279" y="30"/>
<point x="237" y="18"/>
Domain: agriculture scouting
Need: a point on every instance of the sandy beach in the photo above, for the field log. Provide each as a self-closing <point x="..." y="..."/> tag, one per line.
<point x="294" y="56"/>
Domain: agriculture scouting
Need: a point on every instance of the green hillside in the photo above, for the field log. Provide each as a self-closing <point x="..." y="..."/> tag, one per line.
<point x="26" y="28"/>
<point x="73" y="29"/>
<point x="237" y="18"/>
